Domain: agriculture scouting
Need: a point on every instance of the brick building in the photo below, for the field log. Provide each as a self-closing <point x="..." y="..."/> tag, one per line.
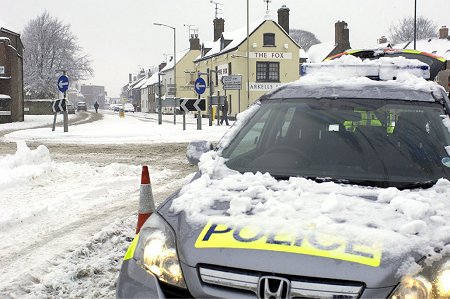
<point x="11" y="76"/>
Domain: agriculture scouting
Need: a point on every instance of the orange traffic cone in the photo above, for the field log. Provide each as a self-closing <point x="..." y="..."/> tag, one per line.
<point x="146" y="202"/>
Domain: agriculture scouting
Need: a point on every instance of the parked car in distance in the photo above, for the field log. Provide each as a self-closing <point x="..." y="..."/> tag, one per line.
<point x="116" y="107"/>
<point x="70" y="108"/>
<point x="81" y="106"/>
<point x="128" y="107"/>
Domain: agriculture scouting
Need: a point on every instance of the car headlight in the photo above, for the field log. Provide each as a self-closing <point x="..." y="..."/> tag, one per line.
<point x="432" y="283"/>
<point x="156" y="251"/>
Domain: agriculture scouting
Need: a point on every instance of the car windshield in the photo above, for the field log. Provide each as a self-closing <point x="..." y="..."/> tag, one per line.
<point x="371" y="142"/>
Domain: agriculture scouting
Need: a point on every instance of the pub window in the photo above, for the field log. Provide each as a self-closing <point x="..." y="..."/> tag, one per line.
<point x="269" y="39"/>
<point x="267" y="71"/>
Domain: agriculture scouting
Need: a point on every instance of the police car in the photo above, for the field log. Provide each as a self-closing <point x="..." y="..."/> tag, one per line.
<point x="334" y="186"/>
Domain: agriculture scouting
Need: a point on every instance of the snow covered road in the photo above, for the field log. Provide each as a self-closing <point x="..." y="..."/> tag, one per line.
<point x="68" y="209"/>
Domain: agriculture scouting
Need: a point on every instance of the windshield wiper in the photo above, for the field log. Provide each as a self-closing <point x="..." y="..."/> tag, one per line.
<point x="416" y="185"/>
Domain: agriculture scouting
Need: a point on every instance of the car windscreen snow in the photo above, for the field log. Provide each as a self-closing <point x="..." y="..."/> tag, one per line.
<point x="363" y="141"/>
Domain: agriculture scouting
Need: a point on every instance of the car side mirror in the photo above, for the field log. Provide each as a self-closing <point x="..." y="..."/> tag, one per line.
<point x="196" y="149"/>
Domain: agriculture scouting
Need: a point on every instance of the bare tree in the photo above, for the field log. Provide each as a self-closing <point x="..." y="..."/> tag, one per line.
<point x="403" y="31"/>
<point x="51" y="46"/>
<point x="304" y="38"/>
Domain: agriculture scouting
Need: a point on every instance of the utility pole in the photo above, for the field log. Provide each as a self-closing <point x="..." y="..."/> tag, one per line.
<point x="66" y="117"/>
<point x="415" y="23"/>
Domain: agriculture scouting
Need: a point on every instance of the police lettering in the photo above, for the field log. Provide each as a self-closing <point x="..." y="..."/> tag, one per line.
<point x="227" y="236"/>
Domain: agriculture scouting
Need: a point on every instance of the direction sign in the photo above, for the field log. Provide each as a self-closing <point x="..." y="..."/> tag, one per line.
<point x="193" y="105"/>
<point x="63" y="83"/>
<point x="59" y="105"/>
<point x="200" y="86"/>
<point x="233" y="82"/>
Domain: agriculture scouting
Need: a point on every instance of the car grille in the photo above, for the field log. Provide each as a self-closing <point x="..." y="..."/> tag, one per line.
<point x="299" y="287"/>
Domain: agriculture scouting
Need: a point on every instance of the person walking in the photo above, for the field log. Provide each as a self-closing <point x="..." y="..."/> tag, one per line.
<point x="224" y="113"/>
<point x="96" y="106"/>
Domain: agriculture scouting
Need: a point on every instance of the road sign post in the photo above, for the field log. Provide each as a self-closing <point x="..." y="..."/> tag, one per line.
<point x="59" y="106"/>
<point x="200" y="87"/>
<point x="199" y="117"/>
<point x="63" y="85"/>
<point x="233" y="82"/>
<point x="197" y="105"/>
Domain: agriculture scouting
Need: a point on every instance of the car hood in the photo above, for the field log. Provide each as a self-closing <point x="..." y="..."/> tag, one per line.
<point x="225" y="245"/>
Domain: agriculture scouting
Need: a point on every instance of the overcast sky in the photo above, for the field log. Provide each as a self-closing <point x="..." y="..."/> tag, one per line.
<point x="119" y="36"/>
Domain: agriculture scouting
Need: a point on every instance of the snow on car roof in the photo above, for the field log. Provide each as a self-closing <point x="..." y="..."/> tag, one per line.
<point x="349" y="73"/>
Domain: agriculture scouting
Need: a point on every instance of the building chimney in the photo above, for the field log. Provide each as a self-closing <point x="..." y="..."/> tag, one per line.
<point x="342" y="36"/>
<point x="219" y="28"/>
<point x="283" y="18"/>
<point x="194" y="42"/>
<point x="130" y="78"/>
<point x="382" y="40"/>
<point x="161" y="66"/>
<point x="443" y="32"/>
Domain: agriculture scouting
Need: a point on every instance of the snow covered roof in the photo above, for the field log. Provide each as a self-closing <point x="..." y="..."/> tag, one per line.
<point x="180" y="56"/>
<point x="150" y="81"/>
<point x="140" y="83"/>
<point x="5" y="25"/>
<point x="134" y="84"/>
<point x="319" y="52"/>
<point x="302" y="54"/>
<point x="436" y="46"/>
<point x="236" y="37"/>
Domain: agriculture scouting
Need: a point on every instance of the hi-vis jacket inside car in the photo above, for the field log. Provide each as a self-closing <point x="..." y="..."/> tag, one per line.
<point x="334" y="186"/>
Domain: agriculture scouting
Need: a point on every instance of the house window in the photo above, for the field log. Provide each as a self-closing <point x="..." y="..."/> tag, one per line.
<point x="267" y="71"/>
<point x="269" y="39"/>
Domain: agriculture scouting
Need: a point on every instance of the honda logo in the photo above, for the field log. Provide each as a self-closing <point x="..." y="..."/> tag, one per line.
<point x="271" y="287"/>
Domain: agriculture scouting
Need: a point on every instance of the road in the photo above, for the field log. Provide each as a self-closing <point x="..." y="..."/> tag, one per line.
<point x="81" y="217"/>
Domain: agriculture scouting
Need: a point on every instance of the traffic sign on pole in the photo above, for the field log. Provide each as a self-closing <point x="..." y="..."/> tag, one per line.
<point x="200" y="86"/>
<point x="193" y="105"/>
<point x="63" y="83"/>
<point x="59" y="105"/>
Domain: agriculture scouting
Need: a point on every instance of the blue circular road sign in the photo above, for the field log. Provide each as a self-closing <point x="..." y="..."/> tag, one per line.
<point x="200" y="85"/>
<point x="63" y="83"/>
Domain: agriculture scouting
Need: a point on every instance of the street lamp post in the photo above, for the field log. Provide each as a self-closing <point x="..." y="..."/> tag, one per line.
<point x="415" y="23"/>
<point x="174" y="57"/>
<point x="159" y="98"/>
<point x="248" y="57"/>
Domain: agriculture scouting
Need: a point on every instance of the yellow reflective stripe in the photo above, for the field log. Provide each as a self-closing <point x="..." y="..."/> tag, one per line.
<point x="130" y="251"/>
<point x="442" y="59"/>
<point x="411" y="51"/>
<point x="353" y="51"/>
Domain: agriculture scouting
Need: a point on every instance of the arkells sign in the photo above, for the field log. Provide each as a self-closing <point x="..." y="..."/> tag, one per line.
<point x="264" y="86"/>
<point x="270" y="55"/>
